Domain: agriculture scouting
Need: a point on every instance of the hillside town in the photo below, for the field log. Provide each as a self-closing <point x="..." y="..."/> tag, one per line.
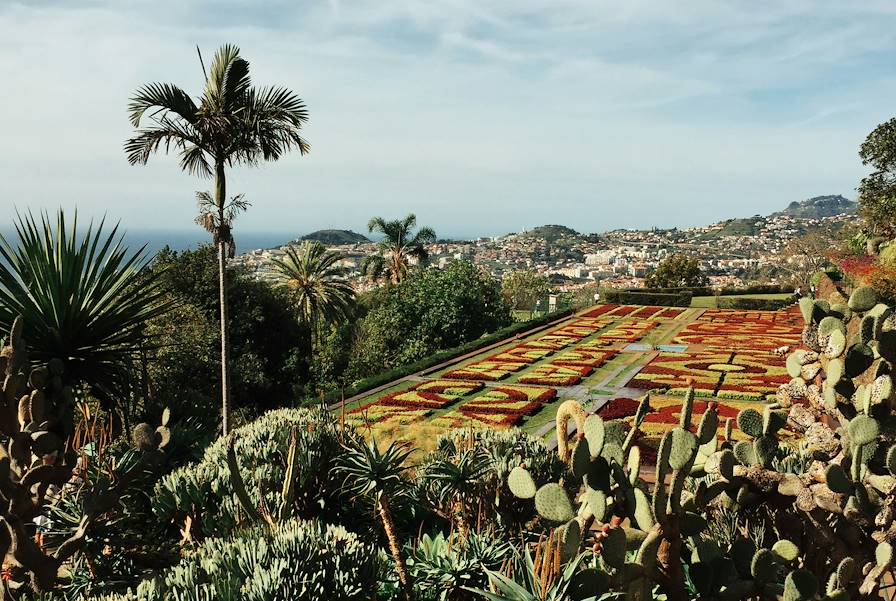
<point x="732" y="252"/>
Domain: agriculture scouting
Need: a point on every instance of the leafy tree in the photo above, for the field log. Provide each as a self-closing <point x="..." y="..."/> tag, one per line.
<point x="399" y="248"/>
<point x="316" y="284"/>
<point x="430" y="310"/>
<point x="522" y="289"/>
<point x="84" y="298"/>
<point x="233" y="123"/>
<point x="676" y="272"/>
<point x="269" y="346"/>
<point x="877" y="191"/>
<point x="805" y="255"/>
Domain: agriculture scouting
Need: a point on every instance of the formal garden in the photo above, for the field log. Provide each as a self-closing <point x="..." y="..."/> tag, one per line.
<point x="172" y="428"/>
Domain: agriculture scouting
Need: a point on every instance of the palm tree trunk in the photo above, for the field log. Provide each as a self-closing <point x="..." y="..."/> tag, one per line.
<point x="401" y="567"/>
<point x="220" y="196"/>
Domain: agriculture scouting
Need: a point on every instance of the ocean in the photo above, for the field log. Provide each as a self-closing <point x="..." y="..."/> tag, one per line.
<point x="156" y="240"/>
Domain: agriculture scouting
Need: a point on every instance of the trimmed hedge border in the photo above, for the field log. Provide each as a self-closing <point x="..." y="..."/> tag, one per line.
<point x="709" y="291"/>
<point x="445" y="355"/>
<point x="646" y="297"/>
<point x="755" y="304"/>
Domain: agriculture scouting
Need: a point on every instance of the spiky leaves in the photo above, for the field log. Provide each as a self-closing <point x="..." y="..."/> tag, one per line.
<point x="84" y="298"/>
<point x="399" y="249"/>
<point x="316" y="283"/>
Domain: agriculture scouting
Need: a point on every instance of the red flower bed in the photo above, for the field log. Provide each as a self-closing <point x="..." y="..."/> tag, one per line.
<point x="670" y="313"/>
<point x="618" y="408"/>
<point x="599" y="311"/>
<point x="417" y="399"/>
<point x="858" y="267"/>
<point x="623" y="310"/>
<point x="527" y="409"/>
<point x="648" y="311"/>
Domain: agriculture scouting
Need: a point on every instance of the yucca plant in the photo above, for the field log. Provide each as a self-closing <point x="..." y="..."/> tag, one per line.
<point x="84" y="298"/>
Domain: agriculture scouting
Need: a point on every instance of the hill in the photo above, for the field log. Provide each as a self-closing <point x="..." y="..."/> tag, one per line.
<point x="818" y="207"/>
<point x="336" y="237"/>
<point x="552" y="233"/>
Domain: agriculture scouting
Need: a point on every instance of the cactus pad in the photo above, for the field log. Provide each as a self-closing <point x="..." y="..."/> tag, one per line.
<point x="521" y="483"/>
<point x="800" y="585"/>
<point x="750" y="422"/>
<point x="552" y="503"/>
<point x="597" y="503"/>
<point x="594" y="434"/>
<point x="863" y="430"/>
<point x="744" y="452"/>
<point x="837" y="480"/>
<point x="785" y="551"/>
<point x="862" y="299"/>
<point x="614" y="547"/>
<point x="683" y="449"/>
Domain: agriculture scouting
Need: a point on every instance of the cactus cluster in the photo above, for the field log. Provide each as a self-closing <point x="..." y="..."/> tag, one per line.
<point x="36" y="422"/>
<point x="648" y="526"/>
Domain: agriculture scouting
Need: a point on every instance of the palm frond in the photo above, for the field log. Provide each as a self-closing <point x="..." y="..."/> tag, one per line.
<point x="316" y="283"/>
<point x="163" y="97"/>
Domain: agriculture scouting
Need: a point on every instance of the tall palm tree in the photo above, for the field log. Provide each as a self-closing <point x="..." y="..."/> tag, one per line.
<point x="231" y="123"/>
<point x="380" y="477"/>
<point x="398" y="249"/>
<point x="84" y="299"/>
<point x="316" y="283"/>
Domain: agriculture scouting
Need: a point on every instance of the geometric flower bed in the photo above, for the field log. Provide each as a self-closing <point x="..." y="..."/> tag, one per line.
<point x="758" y="377"/>
<point x="673" y="370"/>
<point x="751" y="375"/>
<point x="430" y="395"/>
<point x="499" y="406"/>
<point x="555" y="375"/>
<point x="576" y="330"/>
<point x="748" y="335"/>
<point x="670" y="313"/>
<point x="622" y="311"/>
<point x="384" y="414"/>
<point x="600" y="310"/>
<point x="583" y="357"/>
<point x="485" y="370"/>
<point x="645" y="312"/>
<point x="553" y="341"/>
<point x="629" y="332"/>
<point x="667" y="412"/>
<point x="521" y="354"/>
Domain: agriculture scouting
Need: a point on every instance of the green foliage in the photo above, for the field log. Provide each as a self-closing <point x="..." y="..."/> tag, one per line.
<point x="428" y="311"/>
<point x="639" y="297"/>
<point x="300" y="560"/>
<point x="84" y="298"/>
<point x="204" y="490"/>
<point x="677" y="271"/>
<point x="877" y="192"/>
<point x="442" y="566"/>
<point x="315" y="284"/>
<point x="399" y="249"/>
<point x="522" y="289"/>
<point x="269" y="349"/>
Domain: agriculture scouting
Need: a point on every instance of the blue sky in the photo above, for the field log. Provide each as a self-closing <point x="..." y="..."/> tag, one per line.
<point x="480" y="117"/>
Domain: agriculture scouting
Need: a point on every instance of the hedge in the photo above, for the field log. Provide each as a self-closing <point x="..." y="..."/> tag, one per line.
<point x="755" y="304"/>
<point x="644" y="297"/>
<point x="728" y="291"/>
<point x="446" y="355"/>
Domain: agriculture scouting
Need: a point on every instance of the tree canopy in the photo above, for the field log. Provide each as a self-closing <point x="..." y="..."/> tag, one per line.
<point x="677" y="271"/>
<point x="877" y="191"/>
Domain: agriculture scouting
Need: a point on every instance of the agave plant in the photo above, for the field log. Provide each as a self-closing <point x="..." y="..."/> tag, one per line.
<point x="83" y="296"/>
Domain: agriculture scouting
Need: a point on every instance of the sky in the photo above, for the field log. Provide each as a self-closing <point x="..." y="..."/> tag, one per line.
<point x="482" y="117"/>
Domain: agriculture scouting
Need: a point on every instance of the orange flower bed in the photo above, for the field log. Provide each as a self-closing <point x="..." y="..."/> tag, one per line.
<point x="583" y="357"/>
<point x="521" y="354"/>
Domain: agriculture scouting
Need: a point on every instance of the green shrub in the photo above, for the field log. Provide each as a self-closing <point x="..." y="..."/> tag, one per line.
<point x="299" y="561"/>
<point x="441" y="567"/>
<point x="755" y="304"/>
<point x="440" y="357"/>
<point x="204" y="492"/>
<point x="642" y="297"/>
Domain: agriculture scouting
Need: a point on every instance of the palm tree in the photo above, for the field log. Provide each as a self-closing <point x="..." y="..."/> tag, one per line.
<point x="316" y="284"/>
<point x="233" y="123"/>
<point x="379" y="477"/>
<point x="398" y="248"/>
<point x="84" y="298"/>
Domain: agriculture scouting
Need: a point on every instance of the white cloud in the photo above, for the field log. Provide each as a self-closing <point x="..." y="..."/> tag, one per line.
<point x="474" y="115"/>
